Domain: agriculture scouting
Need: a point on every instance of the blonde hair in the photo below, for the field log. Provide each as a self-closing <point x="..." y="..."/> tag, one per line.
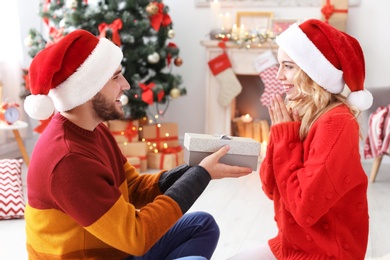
<point x="312" y="101"/>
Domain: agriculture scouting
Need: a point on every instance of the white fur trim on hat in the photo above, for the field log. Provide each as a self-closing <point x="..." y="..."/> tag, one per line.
<point x="361" y="99"/>
<point x="310" y="59"/>
<point x="89" y="78"/>
<point x="39" y="107"/>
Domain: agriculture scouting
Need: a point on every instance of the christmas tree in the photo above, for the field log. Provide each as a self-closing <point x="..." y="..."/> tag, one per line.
<point x="142" y="28"/>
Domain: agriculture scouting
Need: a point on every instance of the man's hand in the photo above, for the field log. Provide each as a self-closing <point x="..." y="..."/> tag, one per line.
<point x="219" y="170"/>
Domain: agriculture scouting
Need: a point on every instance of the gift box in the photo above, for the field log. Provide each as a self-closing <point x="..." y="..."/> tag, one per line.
<point x="161" y="136"/>
<point x="136" y="149"/>
<point x="335" y="12"/>
<point x="166" y="159"/>
<point x="243" y="151"/>
<point x="124" y="130"/>
<point x="135" y="162"/>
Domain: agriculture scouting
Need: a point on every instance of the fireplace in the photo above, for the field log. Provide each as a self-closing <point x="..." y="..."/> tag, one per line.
<point x="218" y="118"/>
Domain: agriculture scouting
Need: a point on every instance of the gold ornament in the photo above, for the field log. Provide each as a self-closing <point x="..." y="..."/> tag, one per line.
<point x="178" y="61"/>
<point x="171" y="33"/>
<point x="174" y="93"/>
<point x="151" y="9"/>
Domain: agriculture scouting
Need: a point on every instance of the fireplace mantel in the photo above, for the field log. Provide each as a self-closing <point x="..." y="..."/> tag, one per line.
<point x="218" y="118"/>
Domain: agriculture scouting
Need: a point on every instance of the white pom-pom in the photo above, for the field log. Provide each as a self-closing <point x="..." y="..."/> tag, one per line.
<point x="361" y="99"/>
<point x="124" y="100"/>
<point x="39" y="107"/>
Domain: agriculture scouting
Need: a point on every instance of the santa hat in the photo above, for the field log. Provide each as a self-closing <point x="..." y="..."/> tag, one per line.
<point x="330" y="57"/>
<point x="70" y="72"/>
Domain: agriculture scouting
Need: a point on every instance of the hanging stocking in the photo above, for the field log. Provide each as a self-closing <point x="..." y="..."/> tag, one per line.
<point x="266" y="66"/>
<point x="230" y="86"/>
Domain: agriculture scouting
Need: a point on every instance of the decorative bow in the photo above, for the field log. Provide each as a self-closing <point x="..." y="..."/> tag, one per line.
<point x="169" y="55"/>
<point x="147" y="93"/>
<point x="159" y="18"/>
<point x="115" y="26"/>
<point x="56" y="35"/>
<point x="222" y="43"/>
<point x="328" y="10"/>
<point x="9" y="104"/>
<point x="42" y="125"/>
<point x="130" y="131"/>
<point x="46" y="7"/>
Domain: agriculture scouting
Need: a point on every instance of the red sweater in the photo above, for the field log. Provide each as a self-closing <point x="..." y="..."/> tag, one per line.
<point x="319" y="189"/>
<point x="83" y="198"/>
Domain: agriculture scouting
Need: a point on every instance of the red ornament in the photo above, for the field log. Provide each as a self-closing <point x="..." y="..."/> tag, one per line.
<point x="178" y="61"/>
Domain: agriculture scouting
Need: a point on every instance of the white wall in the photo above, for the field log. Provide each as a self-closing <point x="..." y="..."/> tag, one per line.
<point x="367" y="22"/>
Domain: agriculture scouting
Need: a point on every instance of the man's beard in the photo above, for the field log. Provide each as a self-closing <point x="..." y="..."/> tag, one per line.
<point x="105" y="109"/>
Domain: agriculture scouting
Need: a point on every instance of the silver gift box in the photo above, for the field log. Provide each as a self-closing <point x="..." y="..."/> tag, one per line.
<point x="243" y="151"/>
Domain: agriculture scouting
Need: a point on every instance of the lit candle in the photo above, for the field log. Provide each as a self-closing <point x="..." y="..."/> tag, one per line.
<point x="227" y="21"/>
<point x="234" y="32"/>
<point x="221" y="21"/>
<point x="242" y="32"/>
<point x="214" y="7"/>
<point x="246" y="118"/>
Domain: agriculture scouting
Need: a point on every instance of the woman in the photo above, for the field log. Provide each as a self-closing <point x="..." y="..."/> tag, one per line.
<point x="312" y="169"/>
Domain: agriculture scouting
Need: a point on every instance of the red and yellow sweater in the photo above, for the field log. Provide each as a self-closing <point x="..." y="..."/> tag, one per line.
<point x="319" y="189"/>
<point x="85" y="202"/>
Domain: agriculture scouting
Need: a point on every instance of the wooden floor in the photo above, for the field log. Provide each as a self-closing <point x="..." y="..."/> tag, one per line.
<point x="245" y="217"/>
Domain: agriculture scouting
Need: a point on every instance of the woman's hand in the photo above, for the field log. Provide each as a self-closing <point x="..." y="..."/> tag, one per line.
<point x="279" y="113"/>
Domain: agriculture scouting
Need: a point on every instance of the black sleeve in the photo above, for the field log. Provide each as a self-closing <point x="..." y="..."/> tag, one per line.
<point x="186" y="190"/>
<point x="170" y="177"/>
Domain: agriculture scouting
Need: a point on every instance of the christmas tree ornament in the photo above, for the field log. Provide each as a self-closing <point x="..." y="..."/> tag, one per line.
<point x="230" y="87"/>
<point x="178" y="61"/>
<point x="151" y="9"/>
<point x="175" y="93"/>
<point x="171" y="33"/>
<point x="153" y="58"/>
<point x="124" y="100"/>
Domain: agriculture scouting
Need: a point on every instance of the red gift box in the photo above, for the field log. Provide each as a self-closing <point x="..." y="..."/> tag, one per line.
<point x="166" y="159"/>
<point x="160" y="136"/>
<point x="136" y="149"/>
<point x="124" y="130"/>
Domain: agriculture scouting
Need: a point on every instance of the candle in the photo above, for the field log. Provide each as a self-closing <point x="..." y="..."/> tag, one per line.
<point x="227" y="23"/>
<point x="234" y="31"/>
<point x="242" y="32"/>
<point x="246" y="118"/>
<point x="215" y="7"/>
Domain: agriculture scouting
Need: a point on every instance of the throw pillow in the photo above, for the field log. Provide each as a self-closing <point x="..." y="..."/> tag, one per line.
<point x="11" y="189"/>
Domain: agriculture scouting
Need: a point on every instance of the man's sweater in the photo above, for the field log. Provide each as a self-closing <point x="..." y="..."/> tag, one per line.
<point x="86" y="202"/>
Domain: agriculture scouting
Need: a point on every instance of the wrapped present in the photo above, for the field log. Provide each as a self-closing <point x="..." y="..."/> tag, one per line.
<point x="135" y="161"/>
<point x="335" y="12"/>
<point x="124" y="130"/>
<point x="136" y="149"/>
<point x="161" y="136"/>
<point x="243" y="151"/>
<point x="166" y="159"/>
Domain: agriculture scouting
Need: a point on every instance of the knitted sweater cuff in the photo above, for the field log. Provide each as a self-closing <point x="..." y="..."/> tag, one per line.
<point x="186" y="190"/>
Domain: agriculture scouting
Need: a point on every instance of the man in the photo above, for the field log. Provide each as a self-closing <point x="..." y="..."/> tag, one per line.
<point x="85" y="201"/>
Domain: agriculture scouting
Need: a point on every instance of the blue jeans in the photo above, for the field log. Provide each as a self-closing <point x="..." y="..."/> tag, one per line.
<point x="194" y="236"/>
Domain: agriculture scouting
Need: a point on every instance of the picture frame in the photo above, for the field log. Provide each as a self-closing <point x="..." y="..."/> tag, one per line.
<point x="280" y="25"/>
<point x="254" y="20"/>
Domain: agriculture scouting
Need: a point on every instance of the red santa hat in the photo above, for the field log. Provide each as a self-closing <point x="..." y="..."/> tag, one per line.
<point x="70" y="72"/>
<point x="330" y="57"/>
